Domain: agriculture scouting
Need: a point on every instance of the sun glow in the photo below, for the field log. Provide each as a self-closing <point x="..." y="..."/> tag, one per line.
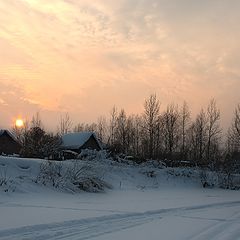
<point x="19" y="123"/>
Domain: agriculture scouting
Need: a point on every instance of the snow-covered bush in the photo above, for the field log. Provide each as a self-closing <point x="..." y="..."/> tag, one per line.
<point x="150" y="173"/>
<point x="3" y="177"/>
<point x="208" y="178"/>
<point x="51" y="172"/>
<point x="91" y="184"/>
<point x="72" y="176"/>
<point x="181" y="172"/>
<point x="6" y="184"/>
<point x="225" y="180"/>
<point x="154" y="163"/>
<point x="85" y="177"/>
<point x="229" y="181"/>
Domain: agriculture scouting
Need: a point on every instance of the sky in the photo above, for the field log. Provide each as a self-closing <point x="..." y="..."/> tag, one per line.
<point x="83" y="57"/>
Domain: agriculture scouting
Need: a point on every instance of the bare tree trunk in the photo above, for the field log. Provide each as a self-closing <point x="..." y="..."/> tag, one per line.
<point x="171" y="128"/>
<point x="102" y="128"/>
<point x="237" y="120"/>
<point x="234" y="132"/>
<point x="151" y="114"/>
<point x="65" y="125"/>
<point x="213" y="128"/>
<point x="198" y="133"/>
<point x="185" y="118"/>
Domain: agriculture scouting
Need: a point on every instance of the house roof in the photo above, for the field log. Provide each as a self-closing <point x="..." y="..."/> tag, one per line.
<point x="77" y="140"/>
<point x="2" y="131"/>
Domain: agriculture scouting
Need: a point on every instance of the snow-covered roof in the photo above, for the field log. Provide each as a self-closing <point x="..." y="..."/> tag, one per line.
<point x="77" y="140"/>
<point x="2" y="131"/>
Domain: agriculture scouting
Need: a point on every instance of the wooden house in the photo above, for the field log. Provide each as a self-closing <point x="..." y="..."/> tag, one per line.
<point x="8" y="143"/>
<point x="82" y="140"/>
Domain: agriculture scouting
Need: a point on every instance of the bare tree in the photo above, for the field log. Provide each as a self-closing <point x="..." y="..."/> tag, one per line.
<point x="36" y="121"/>
<point x="91" y="127"/>
<point x="121" y="130"/>
<point x="232" y="156"/>
<point x="171" y="128"/>
<point x="237" y="121"/>
<point x="39" y="144"/>
<point x="198" y="138"/>
<point x="65" y="124"/>
<point x="151" y="115"/>
<point x="130" y="135"/>
<point x="112" y="126"/>
<point x="184" y="122"/>
<point x="234" y="132"/>
<point x="80" y="127"/>
<point x="19" y="132"/>
<point x="102" y="128"/>
<point x="136" y="134"/>
<point x="213" y="129"/>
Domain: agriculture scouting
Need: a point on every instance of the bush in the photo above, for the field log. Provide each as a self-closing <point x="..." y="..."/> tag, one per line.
<point x="78" y="176"/>
<point x="208" y="178"/>
<point x="51" y="173"/>
<point x="6" y="183"/>
<point x="3" y="178"/>
<point x="91" y="184"/>
<point x="39" y="144"/>
<point x="85" y="177"/>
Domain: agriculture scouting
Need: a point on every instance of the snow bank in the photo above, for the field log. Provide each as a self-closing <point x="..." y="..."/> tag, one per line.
<point x="147" y="202"/>
<point x="98" y="174"/>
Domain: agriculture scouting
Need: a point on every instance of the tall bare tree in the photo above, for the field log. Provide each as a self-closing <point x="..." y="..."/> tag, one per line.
<point x="65" y="124"/>
<point x="171" y="128"/>
<point x="184" y="122"/>
<point x="232" y="157"/>
<point x="234" y="132"/>
<point x="121" y="131"/>
<point x="102" y="128"/>
<point x="151" y="115"/>
<point x="136" y="134"/>
<point x="80" y="127"/>
<point x="36" y="121"/>
<point x="198" y="138"/>
<point x="112" y="125"/>
<point x="213" y="129"/>
<point x="237" y="121"/>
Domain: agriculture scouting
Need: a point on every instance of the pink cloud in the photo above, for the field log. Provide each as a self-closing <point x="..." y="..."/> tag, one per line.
<point x="82" y="57"/>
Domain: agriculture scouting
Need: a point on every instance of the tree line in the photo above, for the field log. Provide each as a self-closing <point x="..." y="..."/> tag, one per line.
<point x="170" y="135"/>
<point x="173" y="136"/>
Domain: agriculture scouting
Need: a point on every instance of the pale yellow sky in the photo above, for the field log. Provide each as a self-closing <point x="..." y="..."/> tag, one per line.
<point x="83" y="57"/>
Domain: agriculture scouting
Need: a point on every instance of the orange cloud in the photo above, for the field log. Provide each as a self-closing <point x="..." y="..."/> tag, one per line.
<point x="83" y="57"/>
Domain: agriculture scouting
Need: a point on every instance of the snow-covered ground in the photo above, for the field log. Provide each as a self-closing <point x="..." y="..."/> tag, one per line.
<point x="139" y="206"/>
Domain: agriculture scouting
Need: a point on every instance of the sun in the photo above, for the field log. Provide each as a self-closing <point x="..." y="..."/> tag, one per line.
<point x="19" y="123"/>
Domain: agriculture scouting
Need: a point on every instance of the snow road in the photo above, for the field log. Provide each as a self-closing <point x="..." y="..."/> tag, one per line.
<point x="107" y="226"/>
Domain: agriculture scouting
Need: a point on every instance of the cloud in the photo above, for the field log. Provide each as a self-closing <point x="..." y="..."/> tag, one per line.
<point x="76" y="55"/>
<point x="14" y="104"/>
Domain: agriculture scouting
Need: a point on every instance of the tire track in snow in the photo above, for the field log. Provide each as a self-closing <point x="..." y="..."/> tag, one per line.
<point x="227" y="229"/>
<point x="60" y="208"/>
<point x="93" y="227"/>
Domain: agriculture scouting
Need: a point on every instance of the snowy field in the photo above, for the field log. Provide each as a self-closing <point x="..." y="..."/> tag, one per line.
<point x="138" y="206"/>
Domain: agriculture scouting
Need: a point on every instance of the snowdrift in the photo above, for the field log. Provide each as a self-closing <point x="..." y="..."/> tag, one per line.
<point x="92" y="175"/>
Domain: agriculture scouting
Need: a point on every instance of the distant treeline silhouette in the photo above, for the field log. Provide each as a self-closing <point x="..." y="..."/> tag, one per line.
<point x="170" y="135"/>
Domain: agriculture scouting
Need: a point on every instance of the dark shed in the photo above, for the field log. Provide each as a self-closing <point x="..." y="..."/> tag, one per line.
<point x="8" y="143"/>
<point x="82" y="140"/>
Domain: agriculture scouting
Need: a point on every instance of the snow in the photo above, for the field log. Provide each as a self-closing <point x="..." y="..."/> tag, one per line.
<point x="138" y="207"/>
